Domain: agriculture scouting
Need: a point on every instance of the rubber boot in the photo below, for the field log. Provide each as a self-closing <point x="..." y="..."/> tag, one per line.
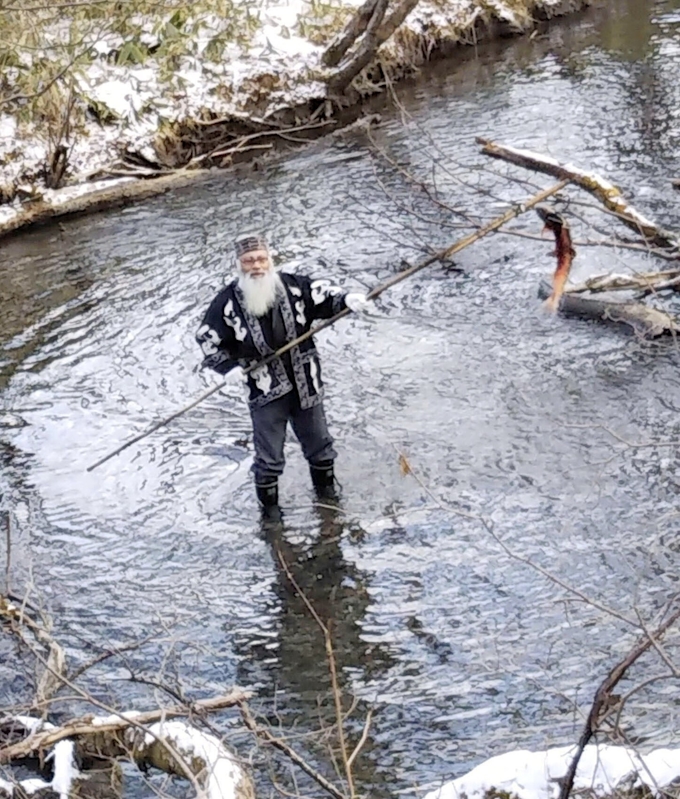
<point x="268" y="497"/>
<point x="323" y="478"/>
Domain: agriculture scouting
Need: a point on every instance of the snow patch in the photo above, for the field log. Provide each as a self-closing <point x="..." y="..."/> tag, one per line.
<point x="32" y="724"/>
<point x="65" y="771"/>
<point x="535" y="775"/>
<point x="275" y="67"/>
<point x="224" y="774"/>
<point x="61" y="196"/>
<point x="104" y="721"/>
<point x="63" y="755"/>
<point x="33" y="785"/>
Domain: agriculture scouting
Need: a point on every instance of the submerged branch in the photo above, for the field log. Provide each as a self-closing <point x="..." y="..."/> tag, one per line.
<point x="266" y="735"/>
<point x="645" y="321"/>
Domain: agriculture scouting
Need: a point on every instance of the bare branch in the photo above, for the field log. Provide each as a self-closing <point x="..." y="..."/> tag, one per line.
<point x="603" y="696"/>
<point x="282" y="746"/>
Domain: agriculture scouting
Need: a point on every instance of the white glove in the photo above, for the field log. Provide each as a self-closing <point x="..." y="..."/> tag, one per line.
<point x="236" y="377"/>
<point x="359" y="303"/>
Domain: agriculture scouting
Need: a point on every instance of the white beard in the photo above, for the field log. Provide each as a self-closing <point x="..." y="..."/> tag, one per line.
<point x="260" y="292"/>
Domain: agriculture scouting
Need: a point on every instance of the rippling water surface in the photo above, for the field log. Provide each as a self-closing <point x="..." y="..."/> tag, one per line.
<point x="463" y="650"/>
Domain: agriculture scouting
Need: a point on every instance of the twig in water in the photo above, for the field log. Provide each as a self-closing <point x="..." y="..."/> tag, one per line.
<point x="8" y="560"/>
<point x="282" y="746"/>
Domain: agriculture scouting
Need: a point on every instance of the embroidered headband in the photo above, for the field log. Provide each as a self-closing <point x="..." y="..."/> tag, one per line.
<point x="249" y="243"/>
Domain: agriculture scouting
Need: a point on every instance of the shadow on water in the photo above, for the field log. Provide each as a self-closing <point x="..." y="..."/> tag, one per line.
<point x="463" y="652"/>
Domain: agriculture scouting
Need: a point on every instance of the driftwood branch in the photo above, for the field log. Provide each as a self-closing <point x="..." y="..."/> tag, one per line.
<point x="607" y="193"/>
<point x="441" y="255"/>
<point x="644" y="281"/>
<point x="603" y="697"/>
<point x="150" y="738"/>
<point x="175" y="747"/>
<point x="644" y="321"/>
<point x="373" y="38"/>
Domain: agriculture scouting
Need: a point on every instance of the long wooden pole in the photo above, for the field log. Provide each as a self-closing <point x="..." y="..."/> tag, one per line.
<point x="441" y="255"/>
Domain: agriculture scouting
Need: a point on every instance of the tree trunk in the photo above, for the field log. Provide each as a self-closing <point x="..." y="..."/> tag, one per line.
<point x="395" y="19"/>
<point x="373" y="39"/>
<point x="354" y="28"/>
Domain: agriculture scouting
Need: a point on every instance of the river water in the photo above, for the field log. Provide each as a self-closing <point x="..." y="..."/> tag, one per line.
<point x="463" y="651"/>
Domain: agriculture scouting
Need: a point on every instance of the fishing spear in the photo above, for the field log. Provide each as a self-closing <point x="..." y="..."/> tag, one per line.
<point x="441" y="255"/>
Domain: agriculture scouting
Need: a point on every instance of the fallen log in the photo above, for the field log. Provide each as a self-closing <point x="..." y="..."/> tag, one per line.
<point x="605" y="191"/>
<point x="149" y="738"/>
<point x="644" y="321"/>
<point x="91" y="725"/>
<point x="88" y="198"/>
<point x="645" y="281"/>
<point x="175" y="747"/>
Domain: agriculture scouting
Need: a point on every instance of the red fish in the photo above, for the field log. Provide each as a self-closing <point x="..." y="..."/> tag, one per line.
<point x="564" y="252"/>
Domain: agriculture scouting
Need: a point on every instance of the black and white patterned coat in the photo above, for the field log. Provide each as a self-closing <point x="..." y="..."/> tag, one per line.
<point x="230" y="335"/>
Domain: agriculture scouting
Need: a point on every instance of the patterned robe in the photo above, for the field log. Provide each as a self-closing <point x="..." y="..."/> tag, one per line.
<point x="230" y="335"/>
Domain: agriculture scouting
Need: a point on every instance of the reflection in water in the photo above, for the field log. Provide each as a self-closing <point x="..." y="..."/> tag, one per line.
<point x="37" y="296"/>
<point x="296" y="667"/>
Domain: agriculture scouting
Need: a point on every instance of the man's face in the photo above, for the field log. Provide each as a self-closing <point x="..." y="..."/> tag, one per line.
<point x="255" y="263"/>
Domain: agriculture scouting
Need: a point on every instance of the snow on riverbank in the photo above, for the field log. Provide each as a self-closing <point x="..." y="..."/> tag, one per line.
<point x="535" y="775"/>
<point x="132" y="88"/>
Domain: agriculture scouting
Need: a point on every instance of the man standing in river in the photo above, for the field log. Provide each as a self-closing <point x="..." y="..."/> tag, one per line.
<point x="256" y="314"/>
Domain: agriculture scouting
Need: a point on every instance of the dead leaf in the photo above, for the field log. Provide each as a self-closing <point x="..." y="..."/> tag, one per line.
<point x="404" y="465"/>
